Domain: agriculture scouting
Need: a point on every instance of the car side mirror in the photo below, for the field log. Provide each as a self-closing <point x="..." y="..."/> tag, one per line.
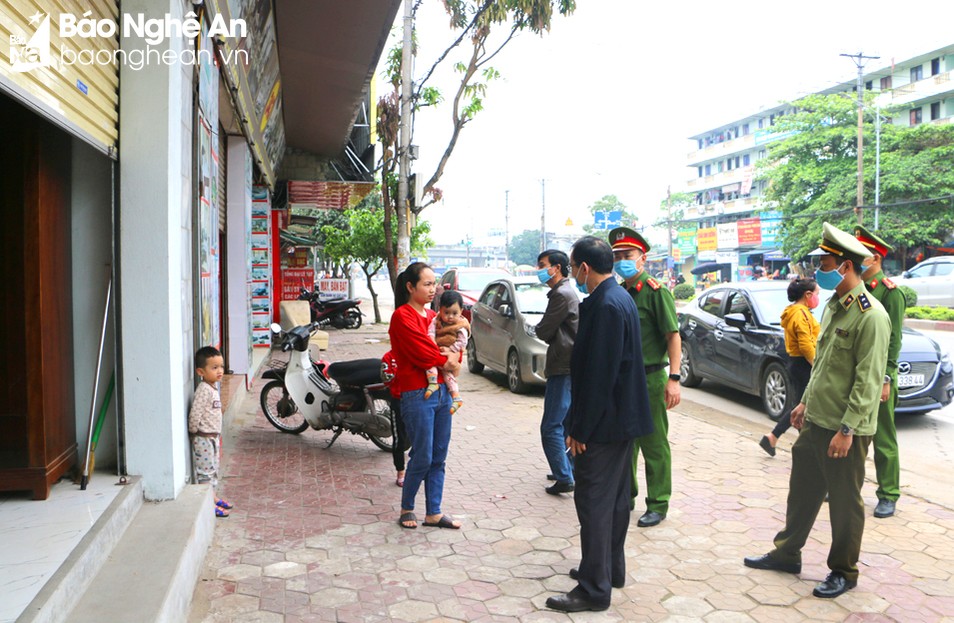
<point x="735" y="320"/>
<point x="906" y="274"/>
<point x="506" y="311"/>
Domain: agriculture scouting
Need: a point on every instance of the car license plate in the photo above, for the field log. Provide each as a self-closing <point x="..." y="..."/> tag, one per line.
<point x="910" y="380"/>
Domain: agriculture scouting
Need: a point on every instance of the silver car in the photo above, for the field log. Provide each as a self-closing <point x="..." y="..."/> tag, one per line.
<point x="933" y="280"/>
<point x="503" y="336"/>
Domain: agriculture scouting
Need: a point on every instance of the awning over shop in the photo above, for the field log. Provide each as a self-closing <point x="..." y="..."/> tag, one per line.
<point x="328" y="51"/>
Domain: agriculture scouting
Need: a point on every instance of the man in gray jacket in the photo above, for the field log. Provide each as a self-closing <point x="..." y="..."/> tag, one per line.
<point x="558" y="329"/>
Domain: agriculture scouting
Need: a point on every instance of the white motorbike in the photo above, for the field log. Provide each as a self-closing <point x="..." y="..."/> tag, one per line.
<point x="342" y="396"/>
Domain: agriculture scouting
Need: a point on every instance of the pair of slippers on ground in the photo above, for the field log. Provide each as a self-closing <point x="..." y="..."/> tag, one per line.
<point x="443" y="522"/>
<point x="222" y="508"/>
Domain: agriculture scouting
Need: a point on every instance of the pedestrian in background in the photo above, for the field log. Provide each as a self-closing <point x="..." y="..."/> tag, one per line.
<point x="801" y="332"/>
<point x="837" y="418"/>
<point x="662" y="347"/>
<point x="886" y="459"/>
<point x="608" y="409"/>
<point x="427" y="421"/>
<point x="558" y="329"/>
<point x="398" y="432"/>
<point x="205" y="423"/>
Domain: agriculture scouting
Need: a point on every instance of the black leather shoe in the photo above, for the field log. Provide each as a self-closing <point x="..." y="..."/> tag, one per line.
<point x="560" y="487"/>
<point x="569" y="602"/>
<point x="833" y="586"/>
<point x="885" y="508"/>
<point x="649" y="519"/>
<point x="575" y="575"/>
<point x="767" y="445"/>
<point x="770" y="564"/>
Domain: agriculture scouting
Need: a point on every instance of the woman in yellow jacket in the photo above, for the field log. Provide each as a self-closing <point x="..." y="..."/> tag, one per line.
<point x="801" y="333"/>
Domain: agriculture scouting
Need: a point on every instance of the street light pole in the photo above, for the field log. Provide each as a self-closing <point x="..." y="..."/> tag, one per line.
<point x="543" y="216"/>
<point x="507" y="229"/>
<point x="859" y="60"/>
<point x="404" y="236"/>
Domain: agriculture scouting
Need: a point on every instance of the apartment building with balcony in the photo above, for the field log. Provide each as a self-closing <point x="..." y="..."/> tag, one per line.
<point x="730" y="222"/>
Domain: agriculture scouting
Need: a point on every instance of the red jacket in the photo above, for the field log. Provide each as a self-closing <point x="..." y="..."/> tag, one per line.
<point x="413" y="348"/>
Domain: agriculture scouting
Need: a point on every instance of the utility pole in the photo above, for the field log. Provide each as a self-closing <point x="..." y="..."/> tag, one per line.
<point x="543" y="216"/>
<point x="859" y="60"/>
<point x="877" y="162"/>
<point x="404" y="231"/>
<point x="669" y="218"/>
<point x="507" y="229"/>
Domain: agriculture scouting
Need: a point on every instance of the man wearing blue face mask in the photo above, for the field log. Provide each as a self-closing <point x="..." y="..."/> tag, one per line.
<point x="662" y="346"/>
<point x="558" y="329"/>
<point x="837" y="417"/>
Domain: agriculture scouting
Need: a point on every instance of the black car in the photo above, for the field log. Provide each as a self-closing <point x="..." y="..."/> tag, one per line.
<point x="732" y="334"/>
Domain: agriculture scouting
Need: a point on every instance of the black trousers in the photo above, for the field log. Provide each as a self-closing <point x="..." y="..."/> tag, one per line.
<point x="602" y="495"/>
<point x="399" y="436"/>
<point x="799" y="370"/>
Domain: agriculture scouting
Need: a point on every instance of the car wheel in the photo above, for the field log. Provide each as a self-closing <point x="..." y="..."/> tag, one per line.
<point x="514" y="379"/>
<point x="474" y="366"/>
<point x="776" y="390"/>
<point x="686" y="376"/>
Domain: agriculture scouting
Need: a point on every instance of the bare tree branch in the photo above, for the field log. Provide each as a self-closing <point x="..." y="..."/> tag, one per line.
<point x="513" y="31"/>
<point x="470" y="26"/>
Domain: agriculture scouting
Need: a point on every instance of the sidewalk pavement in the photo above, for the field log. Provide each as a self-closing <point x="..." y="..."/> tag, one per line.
<point x="313" y="536"/>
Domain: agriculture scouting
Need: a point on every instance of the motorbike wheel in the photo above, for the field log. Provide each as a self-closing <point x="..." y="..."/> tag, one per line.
<point x="352" y="319"/>
<point x="281" y="410"/>
<point x="383" y="407"/>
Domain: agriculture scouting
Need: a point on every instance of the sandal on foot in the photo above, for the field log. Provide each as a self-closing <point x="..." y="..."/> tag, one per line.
<point x="443" y="522"/>
<point x="221" y="512"/>
<point x="406" y="517"/>
<point x="224" y="504"/>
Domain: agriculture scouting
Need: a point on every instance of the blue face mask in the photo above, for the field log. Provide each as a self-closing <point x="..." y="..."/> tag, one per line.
<point x="626" y="268"/>
<point x="543" y="275"/>
<point x="828" y="279"/>
<point x="581" y="286"/>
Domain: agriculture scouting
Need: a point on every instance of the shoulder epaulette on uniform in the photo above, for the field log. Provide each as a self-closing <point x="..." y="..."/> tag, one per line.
<point x="863" y="302"/>
<point x="653" y="283"/>
<point x="889" y="284"/>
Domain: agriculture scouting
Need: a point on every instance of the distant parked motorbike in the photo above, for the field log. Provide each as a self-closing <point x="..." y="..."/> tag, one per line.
<point x="342" y="396"/>
<point x="340" y="314"/>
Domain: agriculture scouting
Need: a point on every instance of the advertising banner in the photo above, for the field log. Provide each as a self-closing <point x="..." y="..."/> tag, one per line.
<point x="727" y="235"/>
<point x="687" y="241"/>
<point x="706" y="239"/>
<point x="750" y="232"/>
<point x="770" y="223"/>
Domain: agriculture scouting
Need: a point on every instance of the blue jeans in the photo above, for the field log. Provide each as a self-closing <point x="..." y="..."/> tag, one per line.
<point x="428" y="426"/>
<point x="556" y="403"/>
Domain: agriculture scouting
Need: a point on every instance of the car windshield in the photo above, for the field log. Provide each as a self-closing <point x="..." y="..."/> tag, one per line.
<point x="531" y="297"/>
<point x="770" y="304"/>
<point x="475" y="281"/>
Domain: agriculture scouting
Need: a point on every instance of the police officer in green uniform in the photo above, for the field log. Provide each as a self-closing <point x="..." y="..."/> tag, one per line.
<point x="887" y="463"/>
<point x="837" y="418"/>
<point x="659" y="330"/>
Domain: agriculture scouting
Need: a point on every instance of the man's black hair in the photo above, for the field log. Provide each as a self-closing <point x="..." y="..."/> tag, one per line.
<point x="205" y="353"/>
<point x="451" y="297"/>
<point x="556" y="258"/>
<point x="595" y="252"/>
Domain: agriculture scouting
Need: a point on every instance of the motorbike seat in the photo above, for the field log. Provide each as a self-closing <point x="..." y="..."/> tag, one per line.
<point x="356" y="373"/>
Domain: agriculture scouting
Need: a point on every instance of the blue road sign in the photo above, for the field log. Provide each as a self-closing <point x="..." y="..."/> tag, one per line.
<point x="607" y="220"/>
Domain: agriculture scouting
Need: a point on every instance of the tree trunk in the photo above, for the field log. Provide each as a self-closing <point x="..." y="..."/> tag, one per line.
<point x="374" y="298"/>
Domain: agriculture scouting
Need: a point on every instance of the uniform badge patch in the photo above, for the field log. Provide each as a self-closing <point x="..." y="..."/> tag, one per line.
<point x="848" y="301"/>
<point x="873" y="284"/>
<point x="639" y="286"/>
<point x="841" y="332"/>
<point x="889" y="284"/>
<point x="653" y="283"/>
<point x="864" y="303"/>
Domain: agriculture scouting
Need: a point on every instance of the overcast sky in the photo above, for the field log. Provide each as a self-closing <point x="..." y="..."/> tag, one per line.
<point x="604" y="104"/>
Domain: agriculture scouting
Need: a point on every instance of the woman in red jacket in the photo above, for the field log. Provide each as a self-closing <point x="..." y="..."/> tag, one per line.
<point x="427" y="421"/>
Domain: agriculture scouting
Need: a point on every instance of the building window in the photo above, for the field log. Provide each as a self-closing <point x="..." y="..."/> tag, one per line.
<point x="915" y="116"/>
<point x="916" y="73"/>
<point x="700" y="171"/>
<point x="721" y="167"/>
<point x="886" y="83"/>
<point x="761" y="154"/>
<point x="745" y="130"/>
<point x="935" y="111"/>
<point x="736" y="162"/>
<point x="935" y="66"/>
<point x="760" y="123"/>
<point x="728" y="164"/>
<point x="700" y="143"/>
<point x="869" y="85"/>
<point x="745" y="160"/>
<point x="708" y="169"/>
<point x="771" y="119"/>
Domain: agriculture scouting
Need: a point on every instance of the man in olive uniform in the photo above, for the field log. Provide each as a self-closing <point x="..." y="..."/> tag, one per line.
<point x="659" y="329"/>
<point x="837" y="417"/>
<point x="887" y="463"/>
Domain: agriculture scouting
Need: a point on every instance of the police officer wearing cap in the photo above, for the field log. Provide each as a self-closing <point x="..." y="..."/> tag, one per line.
<point x="662" y="346"/>
<point x="837" y="417"/>
<point x="887" y="463"/>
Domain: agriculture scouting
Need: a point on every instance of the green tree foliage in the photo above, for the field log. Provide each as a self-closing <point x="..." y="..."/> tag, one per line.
<point x="813" y="174"/>
<point x="525" y="247"/>
<point x="609" y="203"/>
<point x="361" y="240"/>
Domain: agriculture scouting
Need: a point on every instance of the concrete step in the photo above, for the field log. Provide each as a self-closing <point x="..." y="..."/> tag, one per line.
<point x="67" y="585"/>
<point x="151" y="573"/>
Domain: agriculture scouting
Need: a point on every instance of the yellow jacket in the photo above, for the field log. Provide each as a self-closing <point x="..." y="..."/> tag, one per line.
<point x="801" y="331"/>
